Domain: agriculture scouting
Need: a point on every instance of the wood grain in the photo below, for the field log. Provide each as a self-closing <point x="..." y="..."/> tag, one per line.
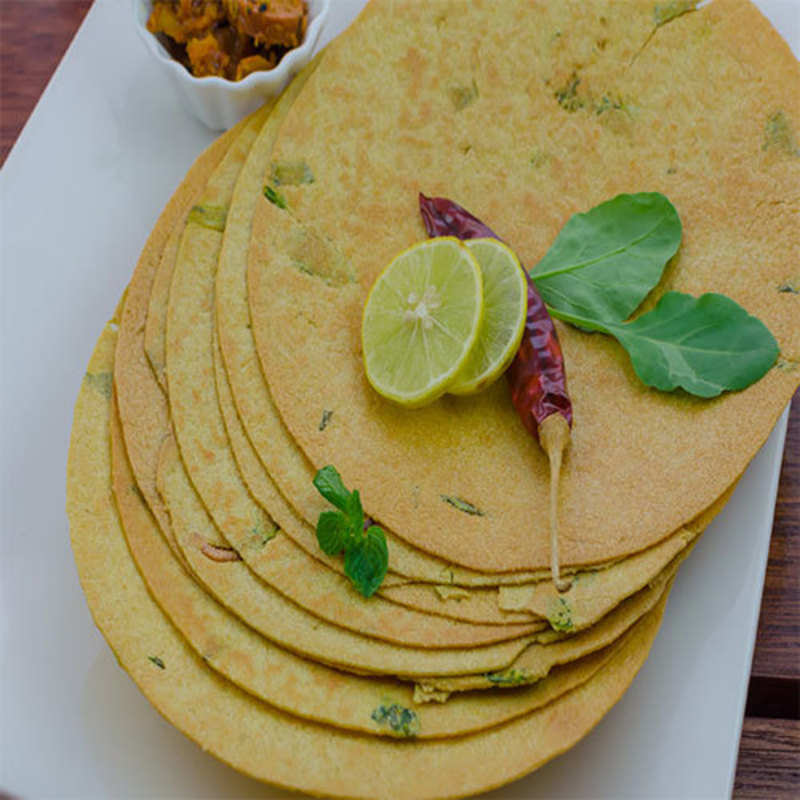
<point x="33" y="37"/>
<point x="34" y="34"/>
<point x="777" y="653"/>
<point x="769" y="765"/>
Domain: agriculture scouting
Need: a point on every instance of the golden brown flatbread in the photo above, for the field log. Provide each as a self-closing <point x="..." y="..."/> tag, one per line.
<point x="642" y="463"/>
<point x="254" y="737"/>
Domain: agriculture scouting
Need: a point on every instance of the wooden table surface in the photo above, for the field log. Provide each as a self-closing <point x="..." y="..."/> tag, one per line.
<point x="31" y="46"/>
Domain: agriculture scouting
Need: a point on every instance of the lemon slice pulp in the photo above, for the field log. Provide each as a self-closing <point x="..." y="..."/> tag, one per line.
<point x="421" y="320"/>
<point x="505" y="303"/>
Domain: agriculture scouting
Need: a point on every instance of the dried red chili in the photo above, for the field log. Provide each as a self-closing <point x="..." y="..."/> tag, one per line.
<point x="537" y="376"/>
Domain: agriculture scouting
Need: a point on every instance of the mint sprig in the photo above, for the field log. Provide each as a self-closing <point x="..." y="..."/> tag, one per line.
<point x="366" y="556"/>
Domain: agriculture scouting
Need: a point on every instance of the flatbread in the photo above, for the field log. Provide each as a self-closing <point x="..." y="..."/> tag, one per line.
<point x="210" y="213"/>
<point x="594" y="593"/>
<point x="285" y="568"/>
<point x="537" y="660"/>
<point x="282" y="462"/>
<point x="296" y="474"/>
<point x="146" y="394"/>
<point x="269" y="612"/>
<point x="250" y="735"/>
<point x="264" y="609"/>
<point x="474" y="606"/>
<point x="142" y="406"/>
<point x="444" y="599"/>
<point x="305" y="688"/>
<point x="206" y="454"/>
<point x="298" y="698"/>
<point x="642" y="463"/>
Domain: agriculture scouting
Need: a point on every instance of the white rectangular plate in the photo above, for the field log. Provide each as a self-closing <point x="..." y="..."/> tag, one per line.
<point x="100" y="156"/>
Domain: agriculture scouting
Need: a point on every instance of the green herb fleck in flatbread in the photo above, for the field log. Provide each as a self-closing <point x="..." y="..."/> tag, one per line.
<point x="100" y="381"/>
<point x="291" y="173"/>
<point x="508" y="677"/>
<point x="560" y="616"/>
<point x="463" y="96"/>
<point x="209" y="216"/>
<point x="264" y="530"/>
<point x="157" y="661"/>
<point x="779" y="135"/>
<point x="539" y="158"/>
<point x="609" y="104"/>
<point x="567" y="96"/>
<point x="462" y="505"/>
<point x="275" y="197"/>
<point x="402" y="721"/>
<point x="301" y="266"/>
<point x="666" y="12"/>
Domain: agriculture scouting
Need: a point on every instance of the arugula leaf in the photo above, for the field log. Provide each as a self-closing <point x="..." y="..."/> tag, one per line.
<point x="329" y="485"/>
<point x="366" y="563"/>
<point x="332" y="532"/>
<point x="604" y="262"/>
<point x="705" y="345"/>
<point x="366" y="556"/>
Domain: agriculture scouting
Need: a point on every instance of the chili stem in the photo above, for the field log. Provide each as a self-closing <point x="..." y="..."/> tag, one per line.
<point x="554" y="437"/>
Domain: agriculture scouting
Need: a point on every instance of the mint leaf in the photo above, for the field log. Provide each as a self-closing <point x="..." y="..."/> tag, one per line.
<point x="705" y="345"/>
<point x="366" y="562"/>
<point x="332" y="532"/>
<point x="604" y="262"/>
<point x="366" y="557"/>
<point x="355" y="512"/>
<point x="329" y="485"/>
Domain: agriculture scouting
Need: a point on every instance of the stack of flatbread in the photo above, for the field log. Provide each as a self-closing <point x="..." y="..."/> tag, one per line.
<point x="231" y="372"/>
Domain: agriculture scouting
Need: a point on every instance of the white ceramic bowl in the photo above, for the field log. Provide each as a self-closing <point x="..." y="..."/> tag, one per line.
<point x="220" y="103"/>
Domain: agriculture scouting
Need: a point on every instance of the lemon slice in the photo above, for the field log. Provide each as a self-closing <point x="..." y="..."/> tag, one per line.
<point x="421" y="320"/>
<point x="505" y="307"/>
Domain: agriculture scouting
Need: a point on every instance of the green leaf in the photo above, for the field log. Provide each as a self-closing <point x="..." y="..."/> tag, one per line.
<point x="332" y="532"/>
<point x="366" y="557"/>
<point x="329" y="485"/>
<point x="604" y="263"/>
<point x="355" y="512"/>
<point x="705" y="345"/>
<point x="366" y="562"/>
